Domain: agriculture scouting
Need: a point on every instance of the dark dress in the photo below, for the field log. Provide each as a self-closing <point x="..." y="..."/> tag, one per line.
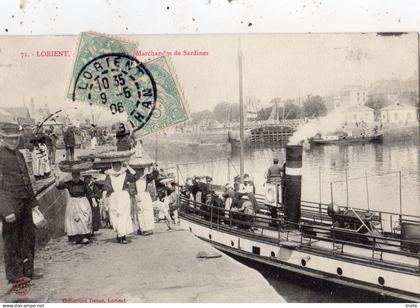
<point x="96" y="211"/>
<point x="78" y="221"/>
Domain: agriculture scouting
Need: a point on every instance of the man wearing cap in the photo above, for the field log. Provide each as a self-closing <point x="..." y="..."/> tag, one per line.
<point x="69" y="143"/>
<point x="274" y="175"/>
<point x="16" y="202"/>
<point x="274" y="172"/>
<point x="125" y="141"/>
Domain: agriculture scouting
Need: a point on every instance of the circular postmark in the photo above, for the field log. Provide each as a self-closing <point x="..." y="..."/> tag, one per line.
<point x="119" y="82"/>
<point x="21" y="286"/>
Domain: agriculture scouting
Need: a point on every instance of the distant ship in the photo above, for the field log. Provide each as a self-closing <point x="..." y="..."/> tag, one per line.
<point x="343" y="139"/>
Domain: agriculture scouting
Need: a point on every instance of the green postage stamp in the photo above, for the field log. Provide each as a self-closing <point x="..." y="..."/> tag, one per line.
<point x="106" y="73"/>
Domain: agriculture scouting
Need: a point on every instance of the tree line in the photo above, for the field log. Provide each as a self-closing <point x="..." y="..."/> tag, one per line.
<point x="313" y="106"/>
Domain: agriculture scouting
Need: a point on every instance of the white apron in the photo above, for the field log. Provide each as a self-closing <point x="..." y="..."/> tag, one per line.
<point x="145" y="214"/>
<point x="93" y="143"/>
<point x="36" y="163"/>
<point x="119" y="206"/>
<point x="78" y="219"/>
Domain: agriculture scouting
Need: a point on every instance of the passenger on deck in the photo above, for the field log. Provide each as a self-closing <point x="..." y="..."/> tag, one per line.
<point x="202" y="190"/>
<point x="188" y="202"/>
<point x="228" y="197"/>
<point x="215" y="206"/>
<point x="243" y="205"/>
<point x="274" y="176"/>
<point x="274" y="172"/>
<point x="78" y="217"/>
<point x="249" y="185"/>
<point x="170" y="203"/>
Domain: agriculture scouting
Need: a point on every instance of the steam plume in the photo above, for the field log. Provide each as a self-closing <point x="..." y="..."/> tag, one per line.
<point x="324" y="125"/>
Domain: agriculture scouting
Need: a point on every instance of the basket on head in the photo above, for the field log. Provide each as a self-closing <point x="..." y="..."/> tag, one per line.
<point x="115" y="156"/>
<point x="75" y="166"/>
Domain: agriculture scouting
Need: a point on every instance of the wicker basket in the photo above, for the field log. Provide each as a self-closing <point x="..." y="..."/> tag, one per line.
<point x="115" y="156"/>
<point x="75" y="166"/>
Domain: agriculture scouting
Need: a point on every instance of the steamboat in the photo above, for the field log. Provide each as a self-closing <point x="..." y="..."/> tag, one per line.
<point x="372" y="250"/>
<point x="343" y="140"/>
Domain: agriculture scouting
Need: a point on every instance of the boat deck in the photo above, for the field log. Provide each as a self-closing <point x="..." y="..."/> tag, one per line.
<point x="373" y="247"/>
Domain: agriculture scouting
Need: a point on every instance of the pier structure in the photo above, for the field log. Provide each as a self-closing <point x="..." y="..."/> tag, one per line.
<point x="168" y="266"/>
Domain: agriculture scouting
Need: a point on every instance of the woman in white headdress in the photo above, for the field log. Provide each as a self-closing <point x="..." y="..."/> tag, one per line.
<point x="145" y="214"/>
<point x="117" y="187"/>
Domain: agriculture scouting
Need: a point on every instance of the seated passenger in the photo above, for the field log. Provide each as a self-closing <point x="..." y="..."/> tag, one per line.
<point x="244" y="211"/>
<point x="215" y="206"/>
<point x="228" y="196"/>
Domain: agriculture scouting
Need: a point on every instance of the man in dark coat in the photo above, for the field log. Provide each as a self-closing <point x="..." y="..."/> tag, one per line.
<point x="274" y="176"/>
<point x="17" y="200"/>
<point x="274" y="172"/>
<point x="69" y="143"/>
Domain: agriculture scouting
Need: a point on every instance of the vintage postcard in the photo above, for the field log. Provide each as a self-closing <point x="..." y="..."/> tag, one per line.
<point x="212" y="168"/>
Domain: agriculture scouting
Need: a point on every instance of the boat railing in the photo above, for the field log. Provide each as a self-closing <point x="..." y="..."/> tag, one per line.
<point x="389" y="222"/>
<point x="307" y="235"/>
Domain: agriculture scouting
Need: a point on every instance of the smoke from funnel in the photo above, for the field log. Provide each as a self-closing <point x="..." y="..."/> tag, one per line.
<point x="332" y="122"/>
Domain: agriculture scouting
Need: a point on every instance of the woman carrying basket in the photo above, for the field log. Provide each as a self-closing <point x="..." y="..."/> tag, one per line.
<point x="78" y="217"/>
<point x="116" y="187"/>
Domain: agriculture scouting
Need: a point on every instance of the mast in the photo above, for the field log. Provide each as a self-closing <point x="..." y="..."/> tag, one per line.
<point x="241" y="116"/>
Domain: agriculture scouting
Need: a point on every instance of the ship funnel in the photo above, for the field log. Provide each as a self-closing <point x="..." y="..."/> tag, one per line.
<point x="293" y="183"/>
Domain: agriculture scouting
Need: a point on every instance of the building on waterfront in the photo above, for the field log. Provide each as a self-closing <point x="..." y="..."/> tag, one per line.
<point x="398" y="114"/>
<point x="356" y="114"/>
<point x="333" y="102"/>
<point x="353" y="95"/>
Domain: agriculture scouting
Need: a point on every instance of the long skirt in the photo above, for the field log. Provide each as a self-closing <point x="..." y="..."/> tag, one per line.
<point x="119" y="213"/>
<point x="78" y="219"/>
<point x="145" y="212"/>
<point x="96" y="218"/>
<point x="134" y="213"/>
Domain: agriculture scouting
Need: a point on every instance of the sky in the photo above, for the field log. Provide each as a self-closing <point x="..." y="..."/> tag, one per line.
<point x="274" y="65"/>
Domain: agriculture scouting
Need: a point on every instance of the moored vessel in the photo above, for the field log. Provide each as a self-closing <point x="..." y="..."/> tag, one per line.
<point x="371" y="250"/>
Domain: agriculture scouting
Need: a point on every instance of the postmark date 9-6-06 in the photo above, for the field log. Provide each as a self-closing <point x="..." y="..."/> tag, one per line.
<point x="119" y="82"/>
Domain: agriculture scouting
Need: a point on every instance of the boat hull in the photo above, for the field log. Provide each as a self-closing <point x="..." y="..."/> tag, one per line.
<point x="309" y="262"/>
<point x="348" y="140"/>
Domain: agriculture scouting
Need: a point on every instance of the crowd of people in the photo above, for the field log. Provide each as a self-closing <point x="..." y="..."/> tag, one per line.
<point x="125" y="201"/>
<point x="237" y="201"/>
<point x="128" y="201"/>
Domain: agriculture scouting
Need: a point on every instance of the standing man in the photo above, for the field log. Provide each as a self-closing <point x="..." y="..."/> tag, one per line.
<point x="69" y="143"/>
<point x="16" y="202"/>
<point x="53" y="149"/>
<point x="274" y="176"/>
<point x="274" y="172"/>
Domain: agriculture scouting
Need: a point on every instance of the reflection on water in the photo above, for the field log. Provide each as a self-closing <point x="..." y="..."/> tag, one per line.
<point x="325" y="164"/>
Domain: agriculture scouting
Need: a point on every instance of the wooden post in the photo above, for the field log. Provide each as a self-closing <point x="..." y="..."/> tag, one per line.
<point x="367" y="190"/>
<point x="241" y="114"/>
<point x="332" y="197"/>
<point x="400" y="196"/>
<point x="347" y="190"/>
<point x="320" y="191"/>
<point x="228" y="169"/>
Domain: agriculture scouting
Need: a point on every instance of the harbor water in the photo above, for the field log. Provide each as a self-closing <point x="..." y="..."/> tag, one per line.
<point x="372" y="172"/>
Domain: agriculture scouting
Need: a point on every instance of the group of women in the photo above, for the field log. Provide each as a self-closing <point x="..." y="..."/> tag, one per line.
<point x="124" y="197"/>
